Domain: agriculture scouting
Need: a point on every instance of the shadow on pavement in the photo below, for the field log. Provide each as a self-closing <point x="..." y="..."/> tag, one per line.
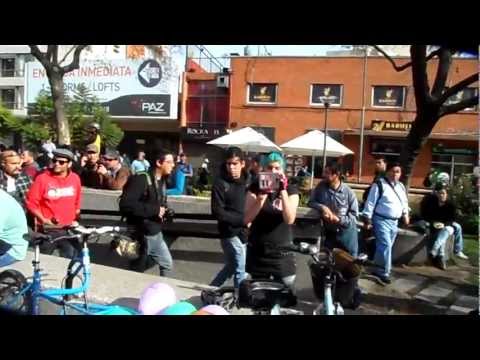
<point x="203" y="256"/>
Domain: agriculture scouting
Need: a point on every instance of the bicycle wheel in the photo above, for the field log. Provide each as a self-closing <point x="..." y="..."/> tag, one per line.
<point x="11" y="283"/>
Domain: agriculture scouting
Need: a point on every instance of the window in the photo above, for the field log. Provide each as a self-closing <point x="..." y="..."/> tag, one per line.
<point x="463" y="95"/>
<point x="261" y="93"/>
<point x="332" y="93"/>
<point x="453" y="161"/>
<point x="8" y="98"/>
<point x="7" y="67"/>
<point x="388" y="96"/>
<point x="390" y="148"/>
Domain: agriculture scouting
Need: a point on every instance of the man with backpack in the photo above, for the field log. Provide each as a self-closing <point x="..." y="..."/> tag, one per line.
<point x="386" y="204"/>
<point x="380" y="167"/>
<point x="144" y="204"/>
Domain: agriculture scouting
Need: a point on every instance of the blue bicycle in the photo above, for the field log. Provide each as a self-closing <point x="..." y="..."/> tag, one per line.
<point x="18" y="294"/>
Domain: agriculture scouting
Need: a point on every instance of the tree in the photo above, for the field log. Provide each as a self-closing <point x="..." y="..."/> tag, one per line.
<point x="431" y="102"/>
<point x="80" y="110"/>
<point x="55" y="72"/>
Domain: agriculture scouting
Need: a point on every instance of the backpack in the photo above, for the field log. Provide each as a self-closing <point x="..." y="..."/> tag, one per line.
<point x="126" y="214"/>
<point x="367" y="191"/>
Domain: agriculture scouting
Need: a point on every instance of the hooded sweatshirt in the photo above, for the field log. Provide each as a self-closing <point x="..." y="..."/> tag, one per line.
<point x="228" y="204"/>
<point x="55" y="196"/>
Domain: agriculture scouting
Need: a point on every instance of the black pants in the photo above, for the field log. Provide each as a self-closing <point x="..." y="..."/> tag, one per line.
<point x="68" y="248"/>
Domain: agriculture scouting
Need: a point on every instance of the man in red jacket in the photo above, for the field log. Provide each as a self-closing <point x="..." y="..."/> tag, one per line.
<point x="54" y="200"/>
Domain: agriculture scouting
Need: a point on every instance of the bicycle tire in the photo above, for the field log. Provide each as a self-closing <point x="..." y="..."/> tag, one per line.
<point x="11" y="283"/>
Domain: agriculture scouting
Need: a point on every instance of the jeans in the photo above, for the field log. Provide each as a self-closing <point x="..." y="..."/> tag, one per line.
<point x="234" y="252"/>
<point x="157" y="250"/>
<point x="7" y="259"/>
<point x="385" y="231"/>
<point x="346" y="239"/>
<point x="438" y="248"/>
<point x="68" y="248"/>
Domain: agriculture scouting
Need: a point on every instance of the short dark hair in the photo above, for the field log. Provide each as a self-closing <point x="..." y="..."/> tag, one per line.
<point x="182" y="154"/>
<point x="440" y="186"/>
<point x="380" y="157"/>
<point x="161" y="154"/>
<point x="335" y="168"/>
<point x="234" y="151"/>
<point x="392" y="164"/>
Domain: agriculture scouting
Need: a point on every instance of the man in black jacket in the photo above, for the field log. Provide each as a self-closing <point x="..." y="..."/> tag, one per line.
<point x="439" y="211"/>
<point x="228" y="206"/>
<point x="144" y="202"/>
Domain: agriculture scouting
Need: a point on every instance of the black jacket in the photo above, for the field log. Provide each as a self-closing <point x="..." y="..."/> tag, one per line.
<point x="431" y="211"/>
<point x="140" y="202"/>
<point x="228" y="204"/>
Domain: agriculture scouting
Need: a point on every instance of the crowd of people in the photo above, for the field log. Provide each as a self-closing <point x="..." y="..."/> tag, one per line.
<point x="42" y="193"/>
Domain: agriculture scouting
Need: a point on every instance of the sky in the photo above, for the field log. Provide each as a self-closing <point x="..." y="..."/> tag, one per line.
<point x="276" y="50"/>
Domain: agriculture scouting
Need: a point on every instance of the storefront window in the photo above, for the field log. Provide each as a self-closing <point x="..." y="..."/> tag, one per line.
<point x="330" y="93"/>
<point x="453" y="164"/>
<point x="388" y="96"/>
<point x="260" y="93"/>
<point x="390" y="148"/>
<point x="462" y="95"/>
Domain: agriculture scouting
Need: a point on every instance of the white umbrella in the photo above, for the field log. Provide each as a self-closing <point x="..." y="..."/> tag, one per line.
<point x="246" y="139"/>
<point x="311" y="144"/>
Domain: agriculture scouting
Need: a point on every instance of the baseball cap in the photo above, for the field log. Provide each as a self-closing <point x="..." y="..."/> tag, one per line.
<point x="92" y="147"/>
<point x="64" y="153"/>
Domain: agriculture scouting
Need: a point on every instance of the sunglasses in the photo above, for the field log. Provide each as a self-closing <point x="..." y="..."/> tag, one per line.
<point x="61" y="162"/>
<point x="109" y="159"/>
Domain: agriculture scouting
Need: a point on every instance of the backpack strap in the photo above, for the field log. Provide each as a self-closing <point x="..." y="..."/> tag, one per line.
<point x="380" y="194"/>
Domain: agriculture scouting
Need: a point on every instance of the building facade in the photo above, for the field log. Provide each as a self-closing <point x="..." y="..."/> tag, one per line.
<point x="287" y="94"/>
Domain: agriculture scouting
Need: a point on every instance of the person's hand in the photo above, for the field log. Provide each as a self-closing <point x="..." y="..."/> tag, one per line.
<point x="83" y="161"/>
<point x="102" y="170"/>
<point x="283" y="182"/>
<point x="406" y="219"/>
<point x="48" y="222"/>
<point x="261" y="198"/>
<point x="162" y="212"/>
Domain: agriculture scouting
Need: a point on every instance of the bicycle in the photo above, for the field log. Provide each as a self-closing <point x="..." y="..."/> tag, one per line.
<point x="18" y="294"/>
<point x="269" y="297"/>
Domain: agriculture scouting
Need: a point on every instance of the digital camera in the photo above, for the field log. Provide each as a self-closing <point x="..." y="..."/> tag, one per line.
<point x="168" y="216"/>
<point x="268" y="182"/>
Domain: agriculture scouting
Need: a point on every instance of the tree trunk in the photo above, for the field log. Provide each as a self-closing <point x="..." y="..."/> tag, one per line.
<point x="56" y="84"/>
<point x="416" y="139"/>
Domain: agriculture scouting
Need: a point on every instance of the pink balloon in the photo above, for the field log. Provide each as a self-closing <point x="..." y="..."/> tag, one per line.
<point x="155" y="298"/>
<point x="215" y="310"/>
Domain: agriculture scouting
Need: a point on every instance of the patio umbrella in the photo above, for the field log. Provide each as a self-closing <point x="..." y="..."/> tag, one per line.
<point x="246" y="139"/>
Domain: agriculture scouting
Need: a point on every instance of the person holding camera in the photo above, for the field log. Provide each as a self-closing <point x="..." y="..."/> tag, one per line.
<point x="228" y="207"/>
<point x="144" y="204"/>
<point x="338" y="207"/>
<point x="270" y="211"/>
<point x="92" y="168"/>
<point x="387" y="203"/>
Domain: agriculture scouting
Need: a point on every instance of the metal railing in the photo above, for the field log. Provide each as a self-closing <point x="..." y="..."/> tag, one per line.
<point x="206" y="60"/>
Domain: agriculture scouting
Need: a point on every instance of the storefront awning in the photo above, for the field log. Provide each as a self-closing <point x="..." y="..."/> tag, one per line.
<point x="401" y="134"/>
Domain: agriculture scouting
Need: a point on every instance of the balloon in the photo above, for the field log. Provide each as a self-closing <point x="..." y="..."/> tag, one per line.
<point x="180" y="308"/>
<point x="215" y="310"/>
<point x="155" y="298"/>
<point x="201" y="312"/>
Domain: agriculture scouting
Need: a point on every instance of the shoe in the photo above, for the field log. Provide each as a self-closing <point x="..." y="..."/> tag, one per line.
<point x="461" y="255"/>
<point x="384" y="279"/>
<point x="440" y="263"/>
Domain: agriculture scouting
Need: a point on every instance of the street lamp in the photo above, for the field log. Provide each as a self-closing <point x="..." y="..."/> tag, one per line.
<point x="326" y="100"/>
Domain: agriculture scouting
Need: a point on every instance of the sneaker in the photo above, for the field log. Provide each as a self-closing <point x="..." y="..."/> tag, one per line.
<point x="440" y="263"/>
<point x="385" y="279"/>
<point x="461" y="255"/>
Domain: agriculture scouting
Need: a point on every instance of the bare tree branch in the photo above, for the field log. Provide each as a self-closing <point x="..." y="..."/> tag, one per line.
<point x="68" y="53"/>
<point x="445" y="60"/>
<point x="457" y="87"/>
<point x="406" y="65"/>
<point x="40" y="56"/>
<point x="54" y="59"/>
<point x="76" y="60"/>
<point x="464" y="104"/>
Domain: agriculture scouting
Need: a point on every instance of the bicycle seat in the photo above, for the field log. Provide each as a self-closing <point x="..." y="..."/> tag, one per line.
<point x="260" y="294"/>
<point x="39" y="238"/>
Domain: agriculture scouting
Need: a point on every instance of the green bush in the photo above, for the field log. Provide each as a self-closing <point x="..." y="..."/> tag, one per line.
<point x="464" y="195"/>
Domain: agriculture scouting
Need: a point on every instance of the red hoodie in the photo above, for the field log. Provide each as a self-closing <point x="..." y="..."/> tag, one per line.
<point x="55" y="196"/>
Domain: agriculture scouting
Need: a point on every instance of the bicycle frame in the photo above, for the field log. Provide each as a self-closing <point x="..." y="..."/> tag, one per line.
<point x="33" y="290"/>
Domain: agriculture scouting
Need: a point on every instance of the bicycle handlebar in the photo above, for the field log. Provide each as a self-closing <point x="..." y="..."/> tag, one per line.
<point x="100" y="230"/>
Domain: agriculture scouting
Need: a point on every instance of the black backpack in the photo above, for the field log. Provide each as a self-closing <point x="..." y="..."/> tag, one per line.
<point x="367" y="191"/>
